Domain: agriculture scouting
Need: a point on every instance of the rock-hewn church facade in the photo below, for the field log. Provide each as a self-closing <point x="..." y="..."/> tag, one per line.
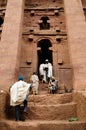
<point x="34" y="30"/>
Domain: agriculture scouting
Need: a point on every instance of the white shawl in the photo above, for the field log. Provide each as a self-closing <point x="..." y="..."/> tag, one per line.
<point x="18" y="92"/>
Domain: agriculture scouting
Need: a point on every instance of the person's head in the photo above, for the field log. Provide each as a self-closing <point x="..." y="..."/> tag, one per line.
<point x="34" y="73"/>
<point x="46" y="61"/>
<point x="20" y="77"/>
<point x="53" y="78"/>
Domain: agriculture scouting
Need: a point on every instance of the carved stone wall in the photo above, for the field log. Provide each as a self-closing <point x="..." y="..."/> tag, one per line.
<point x="53" y="30"/>
<point x="10" y="43"/>
<point x="77" y="41"/>
<point x="44" y="24"/>
<point x="3" y="4"/>
<point x="83" y="3"/>
<point x="84" y="7"/>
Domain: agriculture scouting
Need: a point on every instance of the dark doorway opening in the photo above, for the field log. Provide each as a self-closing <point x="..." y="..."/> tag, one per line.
<point x="1" y="21"/>
<point x="44" y="52"/>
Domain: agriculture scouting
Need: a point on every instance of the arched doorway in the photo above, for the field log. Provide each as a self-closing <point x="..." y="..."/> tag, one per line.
<point x="44" y="52"/>
<point x="1" y="21"/>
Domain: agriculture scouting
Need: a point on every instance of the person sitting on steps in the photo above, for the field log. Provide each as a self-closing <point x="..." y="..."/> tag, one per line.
<point x="53" y="85"/>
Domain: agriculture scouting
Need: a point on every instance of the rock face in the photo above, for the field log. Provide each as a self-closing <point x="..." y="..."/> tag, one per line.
<point x="44" y="37"/>
<point x="30" y="32"/>
<point x="43" y="31"/>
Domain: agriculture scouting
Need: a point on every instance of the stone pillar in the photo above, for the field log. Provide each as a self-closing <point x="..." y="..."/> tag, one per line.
<point x="76" y="27"/>
<point x="55" y="60"/>
<point x="34" y="58"/>
<point x="10" y="43"/>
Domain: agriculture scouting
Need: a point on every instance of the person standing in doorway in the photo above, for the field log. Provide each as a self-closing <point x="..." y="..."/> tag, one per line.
<point x="47" y="71"/>
<point x="41" y="71"/>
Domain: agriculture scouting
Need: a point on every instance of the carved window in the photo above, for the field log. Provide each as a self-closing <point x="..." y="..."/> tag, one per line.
<point x="1" y="21"/>
<point x="45" y="23"/>
<point x="84" y="3"/>
<point x="3" y="2"/>
<point x="84" y="7"/>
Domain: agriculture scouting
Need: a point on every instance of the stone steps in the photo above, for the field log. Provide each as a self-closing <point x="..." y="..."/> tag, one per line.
<point x="43" y="87"/>
<point x="48" y="107"/>
<point x="51" y="107"/>
<point x="50" y="99"/>
<point x="43" y="125"/>
<point x="51" y="111"/>
<point x="48" y="111"/>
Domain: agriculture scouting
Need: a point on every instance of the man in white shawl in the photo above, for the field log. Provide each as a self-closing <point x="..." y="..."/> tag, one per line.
<point x="19" y="94"/>
<point x="47" y="71"/>
<point x="35" y="83"/>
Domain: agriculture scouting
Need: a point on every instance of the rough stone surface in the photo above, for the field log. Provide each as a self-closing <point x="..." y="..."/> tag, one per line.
<point x="42" y="125"/>
<point x="76" y="25"/>
<point x="10" y="43"/>
<point x="54" y="39"/>
<point x="4" y="104"/>
<point x="47" y="111"/>
<point x="20" y="53"/>
<point x="80" y="99"/>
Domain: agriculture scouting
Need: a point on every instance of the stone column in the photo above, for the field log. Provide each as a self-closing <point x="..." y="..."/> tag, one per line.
<point x="34" y="58"/>
<point x="76" y="27"/>
<point x="11" y="43"/>
<point x="55" y="60"/>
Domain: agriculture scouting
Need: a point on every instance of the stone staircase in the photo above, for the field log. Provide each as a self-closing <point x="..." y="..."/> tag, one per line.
<point x="47" y="112"/>
<point x="51" y="107"/>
